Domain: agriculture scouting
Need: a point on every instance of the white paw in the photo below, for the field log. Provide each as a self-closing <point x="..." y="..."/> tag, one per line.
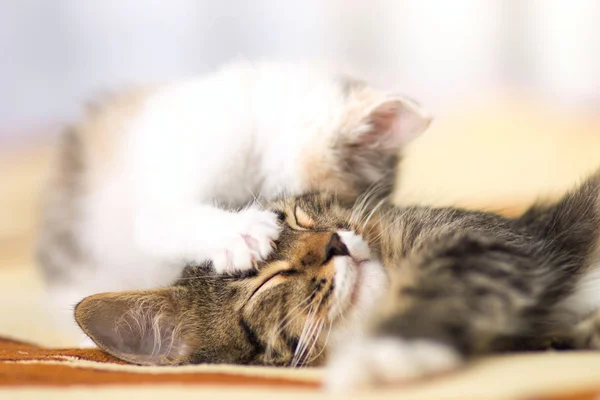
<point x="253" y="234"/>
<point x="385" y="361"/>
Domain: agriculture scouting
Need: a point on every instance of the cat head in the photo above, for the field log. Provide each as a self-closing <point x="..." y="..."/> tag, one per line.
<point x="318" y="287"/>
<point x="341" y="135"/>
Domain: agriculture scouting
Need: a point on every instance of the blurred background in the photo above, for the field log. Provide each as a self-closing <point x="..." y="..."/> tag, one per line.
<point x="56" y="54"/>
<point x="514" y="85"/>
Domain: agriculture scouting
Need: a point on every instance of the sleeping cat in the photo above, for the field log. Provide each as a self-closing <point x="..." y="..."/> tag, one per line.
<point x="394" y="293"/>
<point x="150" y="180"/>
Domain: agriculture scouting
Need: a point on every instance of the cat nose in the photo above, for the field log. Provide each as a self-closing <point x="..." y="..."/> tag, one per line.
<point x="336" y="247"/>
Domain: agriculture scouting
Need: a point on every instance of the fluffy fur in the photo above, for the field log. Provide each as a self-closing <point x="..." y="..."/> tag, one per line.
<point x="156" y="178"/>
<point x="389" y="294"/>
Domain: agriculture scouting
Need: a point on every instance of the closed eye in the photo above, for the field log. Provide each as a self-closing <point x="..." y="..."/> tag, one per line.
<point x="291" y="219"/>
<point x="272" y="279"/>
<point x="303" y="220"/>
<point x="282" y="272"/>
<point x="288" y="272"/>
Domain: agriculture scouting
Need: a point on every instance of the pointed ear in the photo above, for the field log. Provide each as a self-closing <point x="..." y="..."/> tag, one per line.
<point x="394" y="122"/>
<point x="141" y="327"/>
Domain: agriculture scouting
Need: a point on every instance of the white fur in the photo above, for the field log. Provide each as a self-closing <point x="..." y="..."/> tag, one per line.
<point x="359" y="283"/>
<point x="585" y="298"/>
<point x="220" y="139"/>
<point x="381" y="361"/>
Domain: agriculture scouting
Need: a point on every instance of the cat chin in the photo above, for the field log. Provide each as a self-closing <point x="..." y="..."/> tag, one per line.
<point x="358" y="278"/>
<point x="359" y="287"/>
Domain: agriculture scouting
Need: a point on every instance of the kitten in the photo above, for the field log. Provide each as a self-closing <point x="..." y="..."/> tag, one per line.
<point x="138" y="180"/>
<point x="395" y="293"/>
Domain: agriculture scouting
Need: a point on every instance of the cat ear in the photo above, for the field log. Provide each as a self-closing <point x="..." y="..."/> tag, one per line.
<point x="141" y="327"/>
<point x="392" y="123"/>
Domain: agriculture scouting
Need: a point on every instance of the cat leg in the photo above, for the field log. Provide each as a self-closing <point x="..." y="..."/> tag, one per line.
<point x="383" y="360"/>
<point x="231" y="240"/>
<point x="456" y="300"/>
<point x="175" y="219"/>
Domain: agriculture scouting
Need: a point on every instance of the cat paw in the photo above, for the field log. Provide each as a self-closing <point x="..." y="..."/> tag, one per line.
<point x="386" y="361"/>
<point x="255" y="233"/>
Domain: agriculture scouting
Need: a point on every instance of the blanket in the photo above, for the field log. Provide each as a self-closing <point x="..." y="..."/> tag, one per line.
<point x="28" y="370"/>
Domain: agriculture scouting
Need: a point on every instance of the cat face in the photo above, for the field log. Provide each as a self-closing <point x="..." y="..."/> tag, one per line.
<point x="334" y="133"/>
<point x="359" y="142"/>
<point x="319" y="285"/>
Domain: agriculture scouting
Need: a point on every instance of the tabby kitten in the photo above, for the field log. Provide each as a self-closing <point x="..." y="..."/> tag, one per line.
<point x="394" y="293"/>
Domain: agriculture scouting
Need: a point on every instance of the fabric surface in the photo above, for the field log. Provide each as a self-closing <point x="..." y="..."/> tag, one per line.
<point x="28" y="371"/>
<point x="24" y="364"/>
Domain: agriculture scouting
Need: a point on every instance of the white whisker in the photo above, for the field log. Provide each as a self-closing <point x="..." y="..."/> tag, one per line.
<point x="287" y="322"/>
<point x="311" y="338"/>
<point x="302" y="340"/>
<point x="370" y="215"/>
<point x="316" y="357"/>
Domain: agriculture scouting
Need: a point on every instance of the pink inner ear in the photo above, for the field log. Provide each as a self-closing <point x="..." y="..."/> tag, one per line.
<point x="395" y="123"/>
<point x="383" y="127"/>
<point x="384" y="117"/>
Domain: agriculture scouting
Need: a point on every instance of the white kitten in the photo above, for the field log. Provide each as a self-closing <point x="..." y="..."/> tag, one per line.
<point x="148" y="181"/>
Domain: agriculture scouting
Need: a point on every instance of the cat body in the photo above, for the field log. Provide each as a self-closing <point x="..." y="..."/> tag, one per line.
<point x="382" y="294"/>
<point x="156" y="178"/>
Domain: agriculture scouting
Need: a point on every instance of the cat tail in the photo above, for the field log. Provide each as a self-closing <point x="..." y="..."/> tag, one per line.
<point x="570" y="227"/>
